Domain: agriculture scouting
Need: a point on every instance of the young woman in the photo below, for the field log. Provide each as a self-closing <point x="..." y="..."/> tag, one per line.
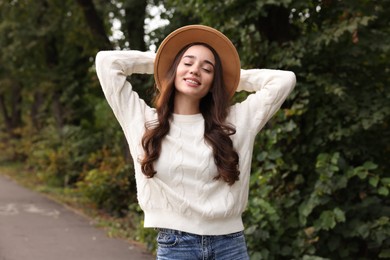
<point x="192" y="152"/>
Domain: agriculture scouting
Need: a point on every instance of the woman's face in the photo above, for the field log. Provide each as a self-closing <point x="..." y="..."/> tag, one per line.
<point x="195" y="72"/>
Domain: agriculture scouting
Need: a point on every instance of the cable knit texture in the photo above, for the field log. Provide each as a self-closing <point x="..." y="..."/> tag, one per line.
<point x="183" y="195"/>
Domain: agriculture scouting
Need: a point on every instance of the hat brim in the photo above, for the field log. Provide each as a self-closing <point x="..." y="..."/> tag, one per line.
<point x="183" y="36"/>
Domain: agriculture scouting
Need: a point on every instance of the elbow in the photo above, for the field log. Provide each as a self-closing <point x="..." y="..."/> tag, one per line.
<point x="101" y="61"/>
<point x="290" y="79"/>
<point x="99" y="58"/>
<point x="293" y="78"/>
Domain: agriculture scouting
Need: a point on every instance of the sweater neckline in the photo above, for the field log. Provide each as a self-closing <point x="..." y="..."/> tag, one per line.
<point x="187" y="118"/>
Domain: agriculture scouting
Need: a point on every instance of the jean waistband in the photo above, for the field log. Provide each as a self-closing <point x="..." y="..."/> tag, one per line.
<point x="172" y="231"/>
<point x="178" y="232"/>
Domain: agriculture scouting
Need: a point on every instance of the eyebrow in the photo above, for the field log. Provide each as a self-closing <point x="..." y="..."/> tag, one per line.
<point x="193" y="57"/>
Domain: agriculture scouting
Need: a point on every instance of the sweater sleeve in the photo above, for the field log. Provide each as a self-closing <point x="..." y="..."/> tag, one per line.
<point x="113" y="68"/>
<point x="270" y="87"/>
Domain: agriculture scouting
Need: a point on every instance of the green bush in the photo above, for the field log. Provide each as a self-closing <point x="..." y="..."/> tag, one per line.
<point x="109" y="183"/>
<point x="315" y="206"/>
<point x="58" y="157"/>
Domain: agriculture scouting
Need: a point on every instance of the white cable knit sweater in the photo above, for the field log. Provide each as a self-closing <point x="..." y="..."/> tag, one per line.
<point x="183" y="194"/>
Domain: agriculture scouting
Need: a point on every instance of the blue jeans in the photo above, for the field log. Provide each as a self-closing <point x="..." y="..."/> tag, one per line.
<point x="178" y="245"/>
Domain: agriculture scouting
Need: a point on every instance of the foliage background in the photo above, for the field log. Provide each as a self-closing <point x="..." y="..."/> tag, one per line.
<point x="320" y="182"/>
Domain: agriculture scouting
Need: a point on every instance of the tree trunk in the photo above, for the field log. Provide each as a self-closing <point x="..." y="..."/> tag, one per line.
<point x="57" y="110"/>
<point x="13" y="114"/>
<point x="95" y="23"/>
<point x="35" y="107"/>
<point x="134" y="24"/>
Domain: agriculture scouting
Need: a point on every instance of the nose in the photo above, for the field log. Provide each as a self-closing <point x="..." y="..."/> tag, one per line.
<point x="194" y="70"/>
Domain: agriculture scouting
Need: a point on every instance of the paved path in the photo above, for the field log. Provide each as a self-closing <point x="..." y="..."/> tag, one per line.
<point x="33" y="227"/>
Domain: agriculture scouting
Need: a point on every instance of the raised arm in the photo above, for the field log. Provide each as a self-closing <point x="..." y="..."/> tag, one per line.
<point x="112" y="68"/>
<point x="271" y="89"/>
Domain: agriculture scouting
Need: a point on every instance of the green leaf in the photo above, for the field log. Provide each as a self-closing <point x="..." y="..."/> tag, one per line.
<point x="385" y="253"/>
<point x="374" y="181"/>
<point x="370" y="166"/>
<point x="250" y="230"/>
<point x="274" y="154"/>
<point x="361" y="173"/>
<point x="327" y="220"/>
<point x="383" y="191"/>
<point x="363" y="230"/>
<point x="339" y="214"/>
<point x="383" y="220"/>
<point x="385" y="181"/>
<point x="261" y="156"/>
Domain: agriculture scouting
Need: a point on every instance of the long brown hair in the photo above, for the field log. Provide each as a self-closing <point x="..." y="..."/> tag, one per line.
<point x="214" y="108"/>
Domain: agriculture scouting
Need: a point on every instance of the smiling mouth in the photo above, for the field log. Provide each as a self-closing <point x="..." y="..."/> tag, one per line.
<point x="192" y="82"/>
